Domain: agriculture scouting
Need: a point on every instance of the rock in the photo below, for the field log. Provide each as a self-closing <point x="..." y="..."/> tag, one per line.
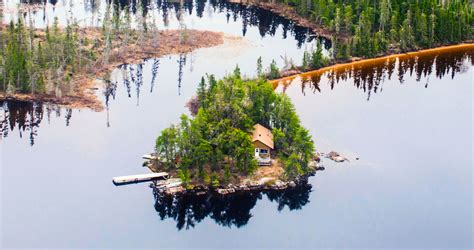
<point x="332" y="154"/>
<point x="338" y="159"/>
<point x="317" y="157"/>
<point x="335" y="156"/>
<point x="174" y="190"/>
<point x="225" y="191"/>
<point x="292" y="184"/>
<point x="278" y="185"/>
<point x="313" y="164"/>
<point x="265" y="180"/>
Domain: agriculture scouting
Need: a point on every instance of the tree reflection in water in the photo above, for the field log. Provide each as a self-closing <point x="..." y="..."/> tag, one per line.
<point x="369" y="76"/>
<point x="228" y="210"/>
<point x="266" y="21"/>
<point x="25" y="117"/>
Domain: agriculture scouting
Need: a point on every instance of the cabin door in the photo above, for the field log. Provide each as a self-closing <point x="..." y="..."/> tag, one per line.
<point x="257" y="150"/>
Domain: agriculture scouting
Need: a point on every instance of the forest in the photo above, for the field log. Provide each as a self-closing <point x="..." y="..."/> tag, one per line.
<point x="215" y="145"/>
<point x="56" y="60"/>
<point x="368" y="28"/>
<point x="44" y="61"/>
<point x="33" y="61"/>
<point x="37" y="61"/>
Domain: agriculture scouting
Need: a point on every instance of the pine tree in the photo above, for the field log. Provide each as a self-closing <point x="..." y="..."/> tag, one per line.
<point x="259" y="67"/>
<point x="337" y="21"/>
<point x="394" y="27"/>
<point x="422" y="30"/>
<point x="384" y="14"/>
<point x="306" y="60"/>
<point x="432" y="28"/>
<point x="348" y="16"/>
<point x="407" y="37"/>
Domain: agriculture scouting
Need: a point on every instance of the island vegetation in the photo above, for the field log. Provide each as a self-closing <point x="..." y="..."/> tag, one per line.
<point x="59" y="64"/>
<point x="214" y="147"/>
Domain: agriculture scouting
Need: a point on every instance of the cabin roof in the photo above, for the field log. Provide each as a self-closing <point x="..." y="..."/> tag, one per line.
<point x="263" y="135"/>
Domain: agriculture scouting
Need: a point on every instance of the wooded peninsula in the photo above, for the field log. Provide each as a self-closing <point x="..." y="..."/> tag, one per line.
<point x="366" y="28"/>
<point x="59" y="64"/>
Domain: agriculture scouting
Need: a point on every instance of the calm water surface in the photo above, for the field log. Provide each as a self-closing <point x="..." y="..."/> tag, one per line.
<point x="408" y="120"/>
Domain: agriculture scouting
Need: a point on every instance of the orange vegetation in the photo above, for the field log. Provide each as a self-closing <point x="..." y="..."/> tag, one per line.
<point x="372" y="62"/>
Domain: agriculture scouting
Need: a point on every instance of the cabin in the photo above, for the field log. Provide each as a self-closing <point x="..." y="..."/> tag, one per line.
<point x="262" y="139"/>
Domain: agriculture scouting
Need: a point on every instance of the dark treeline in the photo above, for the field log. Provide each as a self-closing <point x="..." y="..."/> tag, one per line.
<point x="266" y="21"/>
<point x="229" y="211"/>
<point x="53" y="2"/>
<point x="27" y="116"/>
<point x="370" y="77"/>
<point x="376" y="26"/>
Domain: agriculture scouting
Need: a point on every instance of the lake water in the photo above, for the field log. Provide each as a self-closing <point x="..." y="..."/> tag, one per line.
<point x="411" y="130"/>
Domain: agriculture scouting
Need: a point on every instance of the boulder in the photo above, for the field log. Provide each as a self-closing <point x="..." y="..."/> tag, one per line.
<point x="335" y="156"/>
<point x="174" y="190"/>
<point x="279" y="185"/>
<point x="224" y="191"/>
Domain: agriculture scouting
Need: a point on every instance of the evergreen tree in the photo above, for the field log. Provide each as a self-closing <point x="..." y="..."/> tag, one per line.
<point x="407" y="37"/>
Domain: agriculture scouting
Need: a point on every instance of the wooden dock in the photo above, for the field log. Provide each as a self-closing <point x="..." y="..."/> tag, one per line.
<point x="121" y="180"/>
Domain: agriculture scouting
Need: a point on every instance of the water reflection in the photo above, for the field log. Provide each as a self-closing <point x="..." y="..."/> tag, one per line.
<point x="266" y="21"/>
<point x="369" y="76"/>
<point x="230" y="210"/>
<point x="250" y="16"/>
<point x="25" y="117"/>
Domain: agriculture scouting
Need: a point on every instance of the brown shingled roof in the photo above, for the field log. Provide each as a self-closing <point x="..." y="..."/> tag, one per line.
<point x="262" y="134"/>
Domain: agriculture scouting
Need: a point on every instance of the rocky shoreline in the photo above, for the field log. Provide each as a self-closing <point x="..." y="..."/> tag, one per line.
<point x="249" y="186"/>
<point x="174" y="187"/>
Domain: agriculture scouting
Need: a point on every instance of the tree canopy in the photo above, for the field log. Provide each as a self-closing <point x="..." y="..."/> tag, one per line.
<point x="372" y="25"/>
<point x="216" y="143"/>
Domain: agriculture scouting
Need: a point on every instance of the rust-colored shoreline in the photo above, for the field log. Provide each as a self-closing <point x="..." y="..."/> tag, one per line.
<point x="375" y="61"/>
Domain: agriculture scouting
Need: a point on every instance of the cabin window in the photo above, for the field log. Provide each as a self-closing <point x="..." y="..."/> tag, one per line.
<point x="264" y="151"/>
<point x="256" y="150"/>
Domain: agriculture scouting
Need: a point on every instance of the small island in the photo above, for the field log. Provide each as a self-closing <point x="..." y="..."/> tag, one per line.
<point x="242" y="136"/>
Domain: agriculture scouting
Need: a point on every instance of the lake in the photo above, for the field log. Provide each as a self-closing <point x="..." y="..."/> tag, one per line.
<point x="408" y="121"/>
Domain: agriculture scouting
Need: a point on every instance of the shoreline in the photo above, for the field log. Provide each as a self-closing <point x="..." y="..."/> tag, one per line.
<point x="321" y="31"/>
<point x="85" y="81"/>
<point x="290" y="14"/>
<point x="336" y="65"/>
<point x="265" y="178"/>
<point x="254" y="186"/>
